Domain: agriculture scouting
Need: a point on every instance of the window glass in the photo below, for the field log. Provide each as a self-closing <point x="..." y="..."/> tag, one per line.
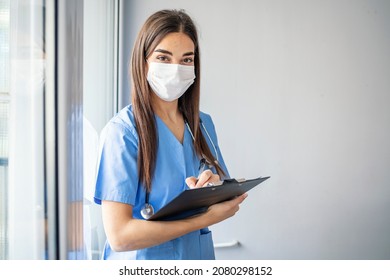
<point x="98" y="105"/>
<point x="24" y="192"/>
<point x="4" y="119"/>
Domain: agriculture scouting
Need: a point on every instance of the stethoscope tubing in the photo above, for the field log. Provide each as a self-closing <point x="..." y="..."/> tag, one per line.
<point x="147" y="211"/>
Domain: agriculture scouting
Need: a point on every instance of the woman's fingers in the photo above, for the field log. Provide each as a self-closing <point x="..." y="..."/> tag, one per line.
<point x="221" y="211"/>
<point x="191" y="182"/>
<point x="206" y="177"/>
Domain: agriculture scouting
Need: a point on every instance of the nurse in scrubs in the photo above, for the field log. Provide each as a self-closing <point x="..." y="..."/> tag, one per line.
<point x="152" y="150"/>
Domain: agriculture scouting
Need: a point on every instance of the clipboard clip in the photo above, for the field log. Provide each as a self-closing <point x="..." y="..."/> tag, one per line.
<point x="215" y="184"/>
<point x="220" y="183"/>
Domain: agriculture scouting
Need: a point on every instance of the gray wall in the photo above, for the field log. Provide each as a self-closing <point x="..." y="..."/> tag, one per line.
<point x="298" y="90"/>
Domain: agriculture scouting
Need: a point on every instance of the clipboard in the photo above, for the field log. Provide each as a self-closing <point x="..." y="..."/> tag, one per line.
<point x="196" y="201"/>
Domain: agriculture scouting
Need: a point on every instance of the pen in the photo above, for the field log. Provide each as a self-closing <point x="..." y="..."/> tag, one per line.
<point x="202" y="167"/>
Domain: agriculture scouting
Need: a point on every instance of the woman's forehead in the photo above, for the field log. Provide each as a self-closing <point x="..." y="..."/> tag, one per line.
<point x="176" y="42"/>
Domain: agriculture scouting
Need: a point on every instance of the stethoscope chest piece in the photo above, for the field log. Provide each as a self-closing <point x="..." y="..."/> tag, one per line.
<point x="147" y="211"/>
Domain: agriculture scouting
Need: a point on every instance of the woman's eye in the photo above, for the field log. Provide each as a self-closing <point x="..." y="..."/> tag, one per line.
<point x="163" y="58"/>
<point x="188" y="60"/>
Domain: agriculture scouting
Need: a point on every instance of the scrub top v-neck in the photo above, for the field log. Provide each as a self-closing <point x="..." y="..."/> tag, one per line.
<point x="117" y="180"/>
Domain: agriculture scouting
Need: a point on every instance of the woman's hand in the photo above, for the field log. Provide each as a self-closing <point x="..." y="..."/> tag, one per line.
<point x="224" y="210"/>
<point x="220" y="211"/>
<point x="205" y="178"/>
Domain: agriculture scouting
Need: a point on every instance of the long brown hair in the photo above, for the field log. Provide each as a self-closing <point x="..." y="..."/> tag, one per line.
<point x="156" y="27"/>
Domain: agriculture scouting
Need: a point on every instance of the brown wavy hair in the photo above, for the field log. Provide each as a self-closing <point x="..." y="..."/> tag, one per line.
<point x="156" y="27"/>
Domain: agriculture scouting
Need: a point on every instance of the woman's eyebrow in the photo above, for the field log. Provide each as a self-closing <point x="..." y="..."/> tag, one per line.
<point x="188" y="53"/>
<point x="163" y="51"/>
<point x="170" y="53"/>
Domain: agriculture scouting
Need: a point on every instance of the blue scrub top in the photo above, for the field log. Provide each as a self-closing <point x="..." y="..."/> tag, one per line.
<point x="117" y="180"/>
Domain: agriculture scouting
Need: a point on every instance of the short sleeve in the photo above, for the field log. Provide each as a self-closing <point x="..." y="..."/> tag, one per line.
<point x="117" y="176"/>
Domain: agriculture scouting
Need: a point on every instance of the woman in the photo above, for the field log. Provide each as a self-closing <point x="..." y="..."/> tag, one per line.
<point x="152" y="149"/>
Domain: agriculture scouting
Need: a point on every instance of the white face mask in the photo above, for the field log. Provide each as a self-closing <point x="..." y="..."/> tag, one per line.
<point x="170" y="81"/>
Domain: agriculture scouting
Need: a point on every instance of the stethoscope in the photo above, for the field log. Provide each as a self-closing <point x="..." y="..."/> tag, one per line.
<point x="147" y="211"/>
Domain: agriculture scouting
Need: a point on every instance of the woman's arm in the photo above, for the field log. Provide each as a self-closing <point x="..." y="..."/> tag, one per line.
<point x="125" y="233"/>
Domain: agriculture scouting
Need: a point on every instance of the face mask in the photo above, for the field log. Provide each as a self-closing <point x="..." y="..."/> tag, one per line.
<point x="170" y="81"/>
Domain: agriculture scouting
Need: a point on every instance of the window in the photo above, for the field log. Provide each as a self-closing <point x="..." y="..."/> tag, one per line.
<point x="99" y="95"/>
<point x="24" y="191"/>
<point x="44" y="115"/>
<point x="4" y="119"/>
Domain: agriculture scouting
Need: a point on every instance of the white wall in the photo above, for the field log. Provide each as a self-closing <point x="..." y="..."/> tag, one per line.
<point x="298" y="90"/>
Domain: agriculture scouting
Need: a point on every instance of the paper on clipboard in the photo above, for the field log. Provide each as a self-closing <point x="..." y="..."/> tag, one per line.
<point x="195" y="201"/>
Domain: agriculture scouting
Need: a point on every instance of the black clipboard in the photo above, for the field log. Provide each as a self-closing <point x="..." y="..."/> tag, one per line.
<point x="195" y="201"/>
